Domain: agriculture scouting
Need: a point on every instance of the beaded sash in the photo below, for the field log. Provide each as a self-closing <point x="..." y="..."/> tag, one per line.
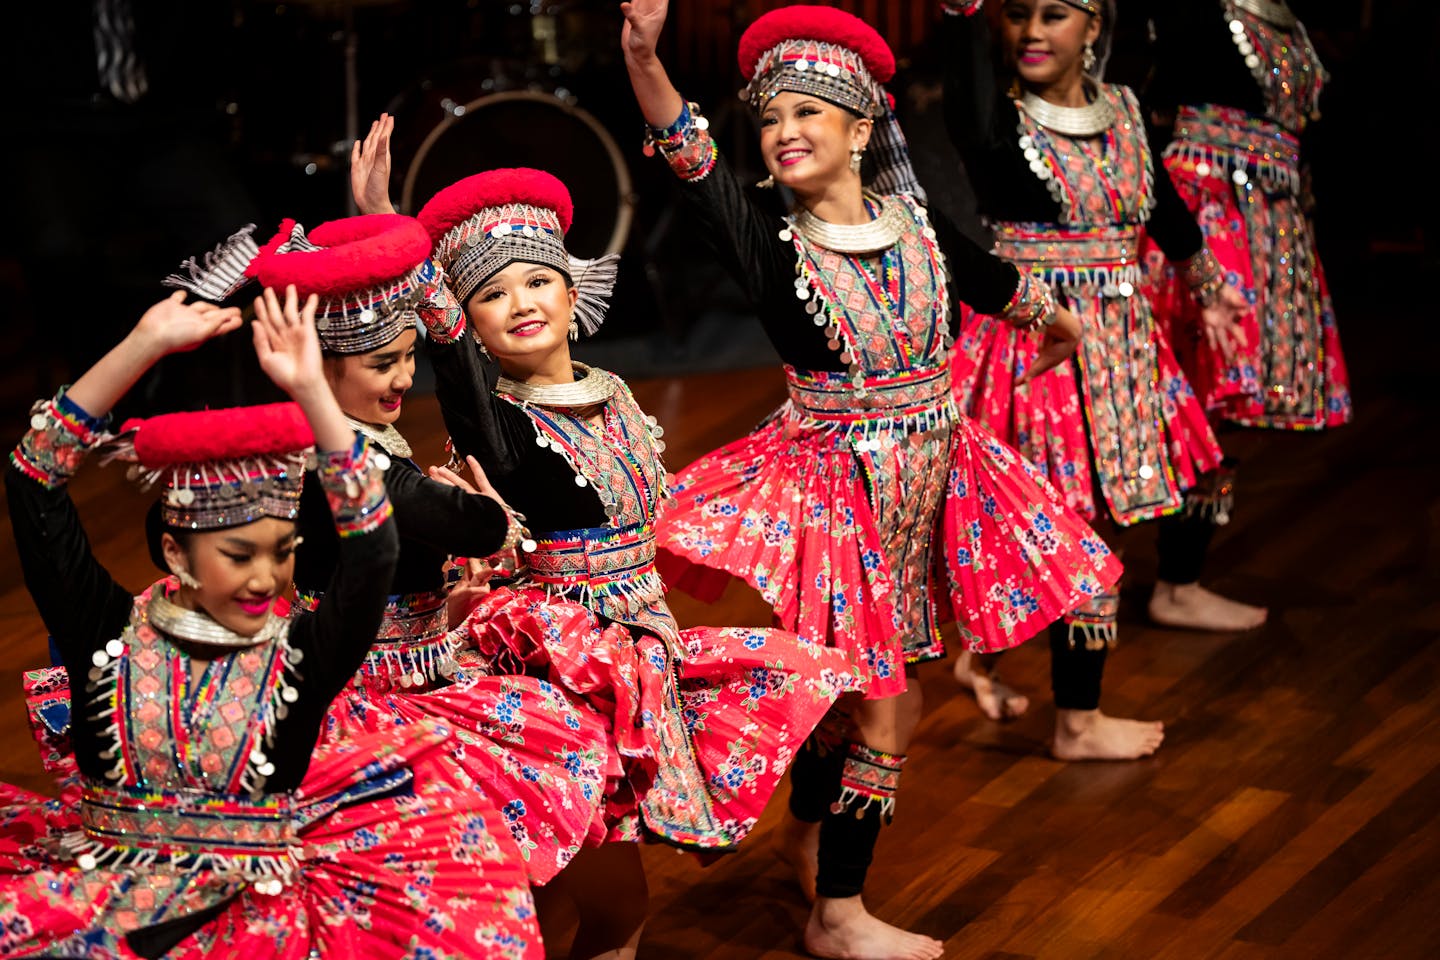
<point x="908" y="401"/>
<point x="412" y="648"/>
<point x="189" y="829"/>
<point x="613" y="568"/>
<point x="1107" y="257"/>
<point x="1225" y="142"/>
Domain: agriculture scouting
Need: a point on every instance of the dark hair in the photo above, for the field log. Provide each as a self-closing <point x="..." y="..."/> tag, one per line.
<point x="155" y="528"/>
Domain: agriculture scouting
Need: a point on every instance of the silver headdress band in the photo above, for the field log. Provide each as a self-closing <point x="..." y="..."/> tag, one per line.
<point x="215" y="494"/>
<point x="839" y="75"/>
<point x="476" y="249"/>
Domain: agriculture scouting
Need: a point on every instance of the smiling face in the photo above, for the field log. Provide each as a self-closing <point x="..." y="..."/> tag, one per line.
<point x="371" y="386"/>
<point x="806" y="141"/>
<point x="523" y="312"/>
<point x="1044" y="40"/>
<point x="241" y="571"/>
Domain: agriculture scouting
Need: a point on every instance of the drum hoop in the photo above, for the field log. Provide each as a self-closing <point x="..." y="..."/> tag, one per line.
<point x="625" y="211"/>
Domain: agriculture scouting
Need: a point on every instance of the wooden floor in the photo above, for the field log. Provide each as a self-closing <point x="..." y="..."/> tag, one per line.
<point x="1291" y="813"/>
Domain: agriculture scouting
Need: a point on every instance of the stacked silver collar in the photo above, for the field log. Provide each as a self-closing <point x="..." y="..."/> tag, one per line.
<point x="1094" y="118"/>
<point x="387" y="437"/>
<point x="588" y="389"/>
<point x="882" y="233"/>
<point x="175" y="621"/>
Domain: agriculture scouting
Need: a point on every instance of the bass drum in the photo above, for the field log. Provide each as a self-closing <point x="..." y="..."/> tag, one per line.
<point x="524" y="128"/>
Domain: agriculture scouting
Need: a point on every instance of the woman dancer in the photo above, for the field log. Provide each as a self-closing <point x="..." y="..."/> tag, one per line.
<point x="1063" y="171"/>
<point x="1236" y="81"/>
<point x="205" y="821"/>
<point x="516" y="739"/>
<point x="832" y="508"/>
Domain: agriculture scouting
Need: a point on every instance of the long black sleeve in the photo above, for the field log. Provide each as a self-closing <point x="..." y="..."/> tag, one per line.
<point x="1171" y="223"/>
<point x="333" y="641"/>
<point x="990" y="280"/>
<point x="82" y="606"/>
<point x="435" y="521"/>
<point x="535" y="481"/>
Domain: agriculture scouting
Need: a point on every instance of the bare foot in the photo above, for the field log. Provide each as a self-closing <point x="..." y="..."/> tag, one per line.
<point x="1090" y="735"/>
<point x="996" y="700"/>
<point x="844" y="930"/>
<point x="1192" y="607"/>
<point x="798" y="844"/>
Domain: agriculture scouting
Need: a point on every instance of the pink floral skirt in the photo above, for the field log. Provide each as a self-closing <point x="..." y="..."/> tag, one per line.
<point x="387" y="867"/>
<point x="1127" y="445"/>
<point x="697" y="744"/>
<point x="516" y="741"/>
<point x="789" y="509"/>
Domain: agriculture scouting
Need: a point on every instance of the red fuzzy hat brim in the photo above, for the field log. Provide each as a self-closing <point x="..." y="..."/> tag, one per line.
<point x="230" y="434"/>
<point x="826" y="24"/>
<point x="496" y="188"/>
<point x="360" y="253"/>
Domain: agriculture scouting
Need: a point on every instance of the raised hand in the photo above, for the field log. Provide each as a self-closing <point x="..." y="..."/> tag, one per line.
<point x="370" y="168"/>
<point x="1061" y="339"/>
<point x="286" y="342"/>
<point x="174" y="326"/>
<point x="1220" y="322"/>
<point x="643" y="21"/>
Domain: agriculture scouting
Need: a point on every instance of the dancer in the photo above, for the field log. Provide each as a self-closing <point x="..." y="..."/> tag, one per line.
<point x="1062" y="168"/>
<point x="517" y="740"/>
<point x="1236" y="82"/>
<point x="832" y="509"/>
<point x="207" y="820"/>
<point x="704" y="720"/>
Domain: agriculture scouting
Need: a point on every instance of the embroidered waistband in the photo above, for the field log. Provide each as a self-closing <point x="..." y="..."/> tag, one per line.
<point x="1225" y="142"/>
<point x="139" y="828"/>
<point x="606" y="565"/>
<point x="909" y="401"/>
<point x="1071" y="257"/>
<point x="412" y="646"/>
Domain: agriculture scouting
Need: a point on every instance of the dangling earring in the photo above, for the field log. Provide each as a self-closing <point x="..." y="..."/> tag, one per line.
<point x="767" y="184"/>
<point x="485" y="354"/>
<point x="855" y="155"/>
<point x="184" y="577"/>
<point x="574" y="328"/>
<point x="1088" y="61"/>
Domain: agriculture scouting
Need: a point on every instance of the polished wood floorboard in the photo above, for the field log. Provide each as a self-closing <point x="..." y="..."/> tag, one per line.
<point x="1291" y="813"/>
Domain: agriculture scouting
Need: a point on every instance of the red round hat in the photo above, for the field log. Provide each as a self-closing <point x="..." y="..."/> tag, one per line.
<point x="357" y="254"/>
<point x="822" y="24"/>
<point x="235" y="433"/>
<point x="507" y="186"/>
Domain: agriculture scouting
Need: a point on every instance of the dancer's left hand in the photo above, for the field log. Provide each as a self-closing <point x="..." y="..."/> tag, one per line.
<point x="1220" y="322"/>
<point x="1061" y="339"/>
<point x="286" y="342"/>
<point x="370" y="168"/>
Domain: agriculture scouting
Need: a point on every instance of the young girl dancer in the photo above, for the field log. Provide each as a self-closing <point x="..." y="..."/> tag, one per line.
<point x="206" y="819"/>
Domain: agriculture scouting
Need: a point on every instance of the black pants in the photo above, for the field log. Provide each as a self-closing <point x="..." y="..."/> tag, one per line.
<point x="1075" y="672"/>
<point x="847" y="841"/>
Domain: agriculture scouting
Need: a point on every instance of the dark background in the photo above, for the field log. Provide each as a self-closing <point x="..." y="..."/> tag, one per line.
<point x="245" y="121"/>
